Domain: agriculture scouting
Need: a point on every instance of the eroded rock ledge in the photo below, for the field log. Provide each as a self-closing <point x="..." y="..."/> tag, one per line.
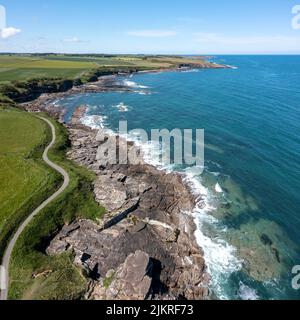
<point x="146" y="239"/>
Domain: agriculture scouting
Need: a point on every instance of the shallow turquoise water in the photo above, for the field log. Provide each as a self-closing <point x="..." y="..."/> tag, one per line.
<point x="251" y="117"/>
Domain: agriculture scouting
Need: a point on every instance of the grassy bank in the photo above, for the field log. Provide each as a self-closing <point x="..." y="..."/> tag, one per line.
<point x="33" y="274"/>
<point x="25" y="180"/>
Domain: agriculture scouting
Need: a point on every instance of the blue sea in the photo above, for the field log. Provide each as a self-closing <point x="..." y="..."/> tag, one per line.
<point x="248" y="219"/>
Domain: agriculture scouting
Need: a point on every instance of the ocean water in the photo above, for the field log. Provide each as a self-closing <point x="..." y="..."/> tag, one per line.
<point x="248" y="216"/>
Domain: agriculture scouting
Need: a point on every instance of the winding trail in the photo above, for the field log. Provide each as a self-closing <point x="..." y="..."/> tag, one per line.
<point x="9" y="249"/>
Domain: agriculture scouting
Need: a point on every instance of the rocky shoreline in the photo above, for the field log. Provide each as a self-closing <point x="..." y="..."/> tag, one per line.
<point x="107" y="83"/>
<point x="144" y="247"/>
<point x="46" y="102"/>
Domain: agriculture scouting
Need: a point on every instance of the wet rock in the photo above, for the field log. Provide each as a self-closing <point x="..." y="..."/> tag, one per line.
<point x="226" y="205"/>
<point x="276" y="253"/>
<point x="266" y="240"/>
<point x="78" y="115"/>
<point x="258" y="249"/>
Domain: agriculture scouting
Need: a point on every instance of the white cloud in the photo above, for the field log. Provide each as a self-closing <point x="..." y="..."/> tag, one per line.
<point x="9" y="32"/>
<point x="73" y="40"/>
<point x="152" y="33"/>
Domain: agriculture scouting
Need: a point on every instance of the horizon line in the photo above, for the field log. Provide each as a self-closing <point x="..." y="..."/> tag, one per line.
<point x="150" y="54"/>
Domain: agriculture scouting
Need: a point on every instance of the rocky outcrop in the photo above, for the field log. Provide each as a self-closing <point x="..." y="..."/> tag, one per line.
<point x="30" y="90"/>
<point x="131" y="281"/>
<point x="46" y="95"/>
<point x="147" y="220"/>
<point x="148" y="212"/>
<point x="179" y="266"/>
<point x="78" y="115"/>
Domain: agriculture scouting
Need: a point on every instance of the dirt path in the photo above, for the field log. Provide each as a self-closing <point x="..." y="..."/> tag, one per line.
<point x="9" y="249"/>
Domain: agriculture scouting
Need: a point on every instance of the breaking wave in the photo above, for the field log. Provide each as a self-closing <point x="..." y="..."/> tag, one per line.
<point x="133" y="84"/>
<point x="94" y="121"/>
<point x="122" y="107"/>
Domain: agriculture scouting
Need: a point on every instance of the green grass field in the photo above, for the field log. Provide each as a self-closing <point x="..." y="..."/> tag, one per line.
<point x="14" y="67"/>
<point x="25" y="181"/>
<point x="24" y="68"/>
<point x="55" y="277"/>
<point x="24" y="178"/>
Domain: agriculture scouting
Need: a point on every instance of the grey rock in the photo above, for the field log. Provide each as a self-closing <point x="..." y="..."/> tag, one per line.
<point x="145" y="212"/>
<point x="130" y="282"/>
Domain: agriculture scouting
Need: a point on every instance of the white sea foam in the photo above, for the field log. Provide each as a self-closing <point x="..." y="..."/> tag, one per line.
<point x="143" y="93"/>
<point x="220" y="256"/>
<point x="56" y="102"/>
<point x="92" y="108"/>
<point x="231" y="67"/>
<point x="150" y="150"/>
<point x="190" y="71"/>
<point x="133" y="84"/>
<point x="218" y="188"/>
<point x="94" y="121"/>
<point x="214" y="164"/>
<point x="122" y="107"/>
<point x="247" y="293"/>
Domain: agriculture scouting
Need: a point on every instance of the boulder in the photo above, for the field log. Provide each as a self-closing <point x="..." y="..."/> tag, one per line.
<point x="131" y="281"/>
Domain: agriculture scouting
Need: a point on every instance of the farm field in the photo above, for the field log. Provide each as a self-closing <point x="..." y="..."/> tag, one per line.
<point x="18" y="67"/>
<point x="24" y="68"/>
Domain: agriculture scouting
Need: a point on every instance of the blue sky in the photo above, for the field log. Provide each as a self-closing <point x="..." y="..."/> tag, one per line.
<point x="165" y="26"/>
